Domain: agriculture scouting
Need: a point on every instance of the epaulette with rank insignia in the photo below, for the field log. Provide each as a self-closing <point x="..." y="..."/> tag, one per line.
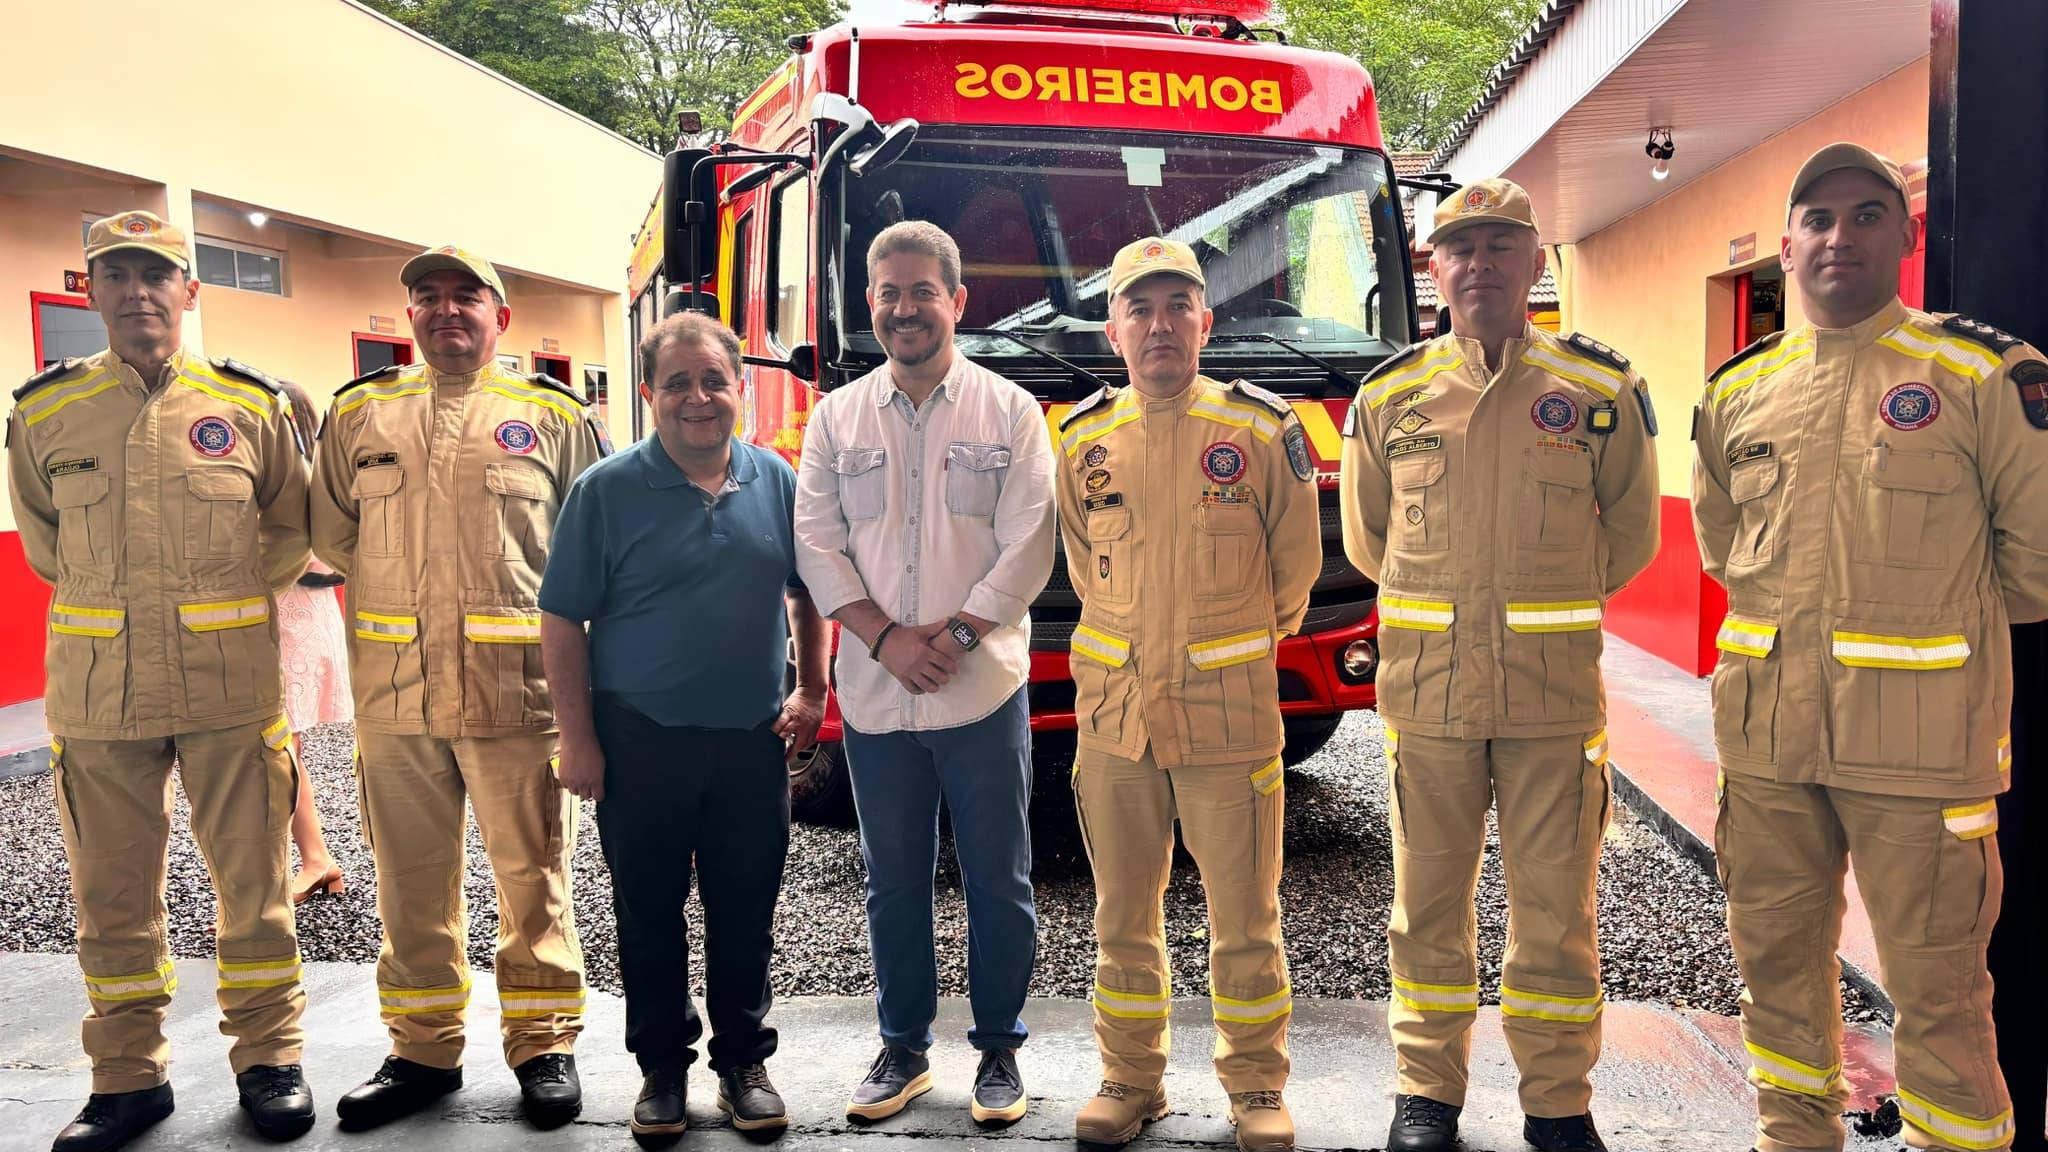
<point x="1588" y="346"/>
<point x="1394" y="361"/>
<point x="1271" y="400"/>
<point x="1762" y="345"/>
<point x="365" y="378"/>
<point x="241" y="371"/>
<point x="1980" y="333"/>
<point x="54" y="372"/>
<point x="543" y="380"/>
<point x="1093" y="400"/>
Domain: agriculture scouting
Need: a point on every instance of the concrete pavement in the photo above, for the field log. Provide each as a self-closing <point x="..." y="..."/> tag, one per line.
<point x="1667" y="1082"/>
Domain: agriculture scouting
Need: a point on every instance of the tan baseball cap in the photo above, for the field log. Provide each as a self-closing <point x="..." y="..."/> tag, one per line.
<point x="1142" y="258"/>
<point x="1836" y="157"/>
<point x="143" y="231"/>
<point x="1493" y="201"/>
<point x="449" y="258"/>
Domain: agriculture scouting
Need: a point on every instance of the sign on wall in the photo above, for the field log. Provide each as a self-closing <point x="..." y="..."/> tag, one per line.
<point x="384" y="325"/>
<point x="548" y="345"/>
<point x="1741" y="249"/>
<point x="77" y="283"/>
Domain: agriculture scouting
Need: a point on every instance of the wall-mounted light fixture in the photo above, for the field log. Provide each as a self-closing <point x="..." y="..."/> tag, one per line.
<point x="1660" y="149"/>
<point x="259" y="219"/>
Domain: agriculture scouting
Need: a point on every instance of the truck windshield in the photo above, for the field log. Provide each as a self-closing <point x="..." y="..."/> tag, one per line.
<point x="1298" y="241"/>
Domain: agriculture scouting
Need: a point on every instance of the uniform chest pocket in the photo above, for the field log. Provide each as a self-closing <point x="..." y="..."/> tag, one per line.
<point x="1109" y="577"/>
<point x="519" y="493"/>
<point x="1420" y="520"/>
<point x="1901" y="522"/>
<point x="1556" y="500"/>
<point x="863" y="483"/>
<point x="974" y="478"/>
<point x="1750" y="485"/>
<point x="380" y="511"/>
<point x="85" y="519"/>
<point x="219" y="514"/>
<point x="1227" y="550"/>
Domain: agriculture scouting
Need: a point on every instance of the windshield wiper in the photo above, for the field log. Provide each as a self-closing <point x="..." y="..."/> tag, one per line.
<point x="1079" y="372"/>
<point x="1337" y="375"/>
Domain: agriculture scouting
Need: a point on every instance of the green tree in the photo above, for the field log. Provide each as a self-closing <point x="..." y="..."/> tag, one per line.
<point x="706" y="55"/>
<point x="1429" y="59"/>
<point x="544" y="44"/>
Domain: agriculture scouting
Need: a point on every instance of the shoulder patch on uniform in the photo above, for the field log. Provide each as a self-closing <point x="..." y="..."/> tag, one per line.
<point x="241" y="371"/>
<point x="1092" y="401"/>
<point x="365" y="378"/>
<point x="1271" y="400"/>
<point x="1763" y="345"/>
<point x="1977" y="332"/>
<point x="2031" y="378"/>
<point x="1394" y="361"/>
<point x="54" y="372"/>
<point x="543" y="380"/>
<point x="1649" y="410"/>
<point x="1588" y="346"/>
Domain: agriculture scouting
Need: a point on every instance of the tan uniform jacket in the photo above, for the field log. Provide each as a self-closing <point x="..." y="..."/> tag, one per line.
<point x="1498" y="515"/>
<point x="1875" y="499"/>
<point x="163" y="518"/>
<point x="435" y="494"/>
<point x="1192" y="538"/>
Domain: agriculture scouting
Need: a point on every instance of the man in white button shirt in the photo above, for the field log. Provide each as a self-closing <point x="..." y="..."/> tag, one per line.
<point x="924" y="526"/>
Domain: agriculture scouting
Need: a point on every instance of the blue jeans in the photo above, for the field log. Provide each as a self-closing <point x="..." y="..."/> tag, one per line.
<point x="983" y="770"/>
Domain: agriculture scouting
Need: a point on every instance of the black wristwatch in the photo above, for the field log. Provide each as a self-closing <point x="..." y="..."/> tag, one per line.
<point x="963" y="634"/>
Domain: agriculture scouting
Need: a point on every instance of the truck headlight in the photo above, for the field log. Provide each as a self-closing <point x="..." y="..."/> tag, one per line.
<point x="1359" y="660"/>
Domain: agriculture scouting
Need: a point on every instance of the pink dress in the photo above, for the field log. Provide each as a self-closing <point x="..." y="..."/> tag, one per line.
<point x="314" y="649"/>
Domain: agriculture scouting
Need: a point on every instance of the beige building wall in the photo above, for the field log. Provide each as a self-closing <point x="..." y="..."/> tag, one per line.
<point x="1656" y="284"/>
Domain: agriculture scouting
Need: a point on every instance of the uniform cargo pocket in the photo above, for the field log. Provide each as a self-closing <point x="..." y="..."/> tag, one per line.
<point x="974" y="478"/>
<point x="1900" y="701"/>
<point x="503" y="682"/>
<point x="1230" y="699"/>
<point x="519" y="496"/>
<point x="1557" y="500"/>
<point x="1109" y="577"/>
<point x="1904" y="513"/>
<point x="1269" y="819"/>
<point x="85" y="520"/>
<point x="87" y="658"/>
<point x="380" y="511"/>
<point x="1228" y="549"/>
<point x="387" y="669"/>
<point x="1745" y="689"/>
<point x="863" y="482"/>
<point x="1550" y="655"/>
<point x="1417" y="655"/>
<point x="1748" y="486"/>
<point x="228" y="653"/>
<point x="1420" y="520"/>
<point x="220" y="520"/>
<point x="1105" y="684"/>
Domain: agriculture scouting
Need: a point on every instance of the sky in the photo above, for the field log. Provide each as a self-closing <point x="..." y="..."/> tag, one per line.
<point x="886" y="11"/>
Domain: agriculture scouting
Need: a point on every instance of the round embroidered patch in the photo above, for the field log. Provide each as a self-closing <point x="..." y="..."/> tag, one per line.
<point x="1095" y="456"/>
<point x="213" y="436"/>
<point x="1097" y="480"/>
<point x="1910" y="407"/>
<point x="1555" y="412"/>
<point x="516" y="437"/>
<point x="1223" y="462"/>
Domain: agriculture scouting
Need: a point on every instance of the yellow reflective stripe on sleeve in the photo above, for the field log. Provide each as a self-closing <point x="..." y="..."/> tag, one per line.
<point x="1132" y="1005"/>
<point x="1746" y="637"/>
<point x="1437" y="997"/>
<point x="1432" y="365"/>
<point x="1260" y="421"/>
<point x="1596" y="748"/>
<point x="1768" y="1067"/>
<point x="1543" y="1006"/>
<point x="1121" y="412"/>
<point x="1417" y="615"/>
<point x="260" y="973"/>
<point x="1972" y="821"/>
<point x="403" y="387"/>
<point x="1958" y="356"/>
<point x="1600" y="378"/>
<point x="215" y="615"/>
<point x="1264" y="1010"/>
<point x="2005" y="753"/>
<point x="1785" y="354"/>
<point x="1267" y="780"/>
<point x="161" y="981"/>
<point x="390" y="629"/>
<point x="1100" y="647"/>
<point x="229" y="394"/>
<point x="552" y="401"/>
<point x="518" y="628"/>
<point x="37" y="409"/>
<point x="1553" y="616"/>
<point x="1954" y="1128"/>
<point x="1242" y="648"/>
<point x="279" y="733"/>
<point x="415" y="1001"/>
<point x="540" y="1002"/>
<point x="1914" y="653"/>
<point x="79" y="620"/>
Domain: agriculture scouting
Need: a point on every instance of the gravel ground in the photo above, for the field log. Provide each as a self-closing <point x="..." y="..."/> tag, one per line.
<point x="1661" y="921"/>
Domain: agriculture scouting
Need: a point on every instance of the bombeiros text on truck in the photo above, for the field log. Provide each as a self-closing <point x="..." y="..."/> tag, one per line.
<point x="1043" y="137"/>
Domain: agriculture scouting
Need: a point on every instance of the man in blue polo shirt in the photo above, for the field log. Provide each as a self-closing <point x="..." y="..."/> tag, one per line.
<point x="679" y="554"/>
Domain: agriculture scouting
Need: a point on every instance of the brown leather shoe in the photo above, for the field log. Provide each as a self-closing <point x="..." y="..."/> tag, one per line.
<point x="1263" y="1124"/>
<point x="1118" y="1113"/>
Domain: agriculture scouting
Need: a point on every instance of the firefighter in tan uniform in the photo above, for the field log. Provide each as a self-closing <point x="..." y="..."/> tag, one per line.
<point x="163" y="496"/>
<point x="1500" y="484"/>
<point x="1872" y="488"/>
<point x="1189" y="519"/>
<point x="434" y="488"/>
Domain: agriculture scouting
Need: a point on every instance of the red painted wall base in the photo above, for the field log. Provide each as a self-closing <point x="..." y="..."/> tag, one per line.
<point x="1672" y="609"/>
<point x="24" y="606"/>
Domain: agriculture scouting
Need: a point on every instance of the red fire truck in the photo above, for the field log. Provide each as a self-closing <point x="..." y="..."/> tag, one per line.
<point x="1042" y="138"/>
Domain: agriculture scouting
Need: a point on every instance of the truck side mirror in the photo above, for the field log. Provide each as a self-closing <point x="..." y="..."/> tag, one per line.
<point x="802" y="362"/>
<point x="678" y="232"/>
<point x="684" y="300"/>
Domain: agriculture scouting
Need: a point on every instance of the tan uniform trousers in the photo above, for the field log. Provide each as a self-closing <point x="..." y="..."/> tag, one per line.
<point x="412" y="792"/>
<point x="1552" y="799"/>
<point x="114" y="803"/>
<point x="1231" y="819"/>
<point x="1930" y="878"/>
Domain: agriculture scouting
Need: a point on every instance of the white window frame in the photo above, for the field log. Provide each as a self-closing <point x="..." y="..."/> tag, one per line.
<point x="238" y="246"/>
<point x="512" y="362"/>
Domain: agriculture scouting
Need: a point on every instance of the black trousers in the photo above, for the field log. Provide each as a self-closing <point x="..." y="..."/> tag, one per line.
<point x="719" y="797"/>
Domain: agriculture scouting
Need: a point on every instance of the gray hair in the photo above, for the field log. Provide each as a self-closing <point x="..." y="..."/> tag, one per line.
<point x="688" y="328"/>
<point x="923" y="238"/>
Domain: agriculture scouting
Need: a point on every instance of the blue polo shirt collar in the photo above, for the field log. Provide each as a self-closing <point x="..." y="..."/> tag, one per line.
<point x="661" y="470"/>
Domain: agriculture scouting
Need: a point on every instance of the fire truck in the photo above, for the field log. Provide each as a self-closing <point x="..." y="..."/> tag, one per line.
<point x="1043" y="137"/>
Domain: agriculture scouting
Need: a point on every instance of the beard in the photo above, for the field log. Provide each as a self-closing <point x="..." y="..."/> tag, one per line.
<point x="917" y="357"/>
